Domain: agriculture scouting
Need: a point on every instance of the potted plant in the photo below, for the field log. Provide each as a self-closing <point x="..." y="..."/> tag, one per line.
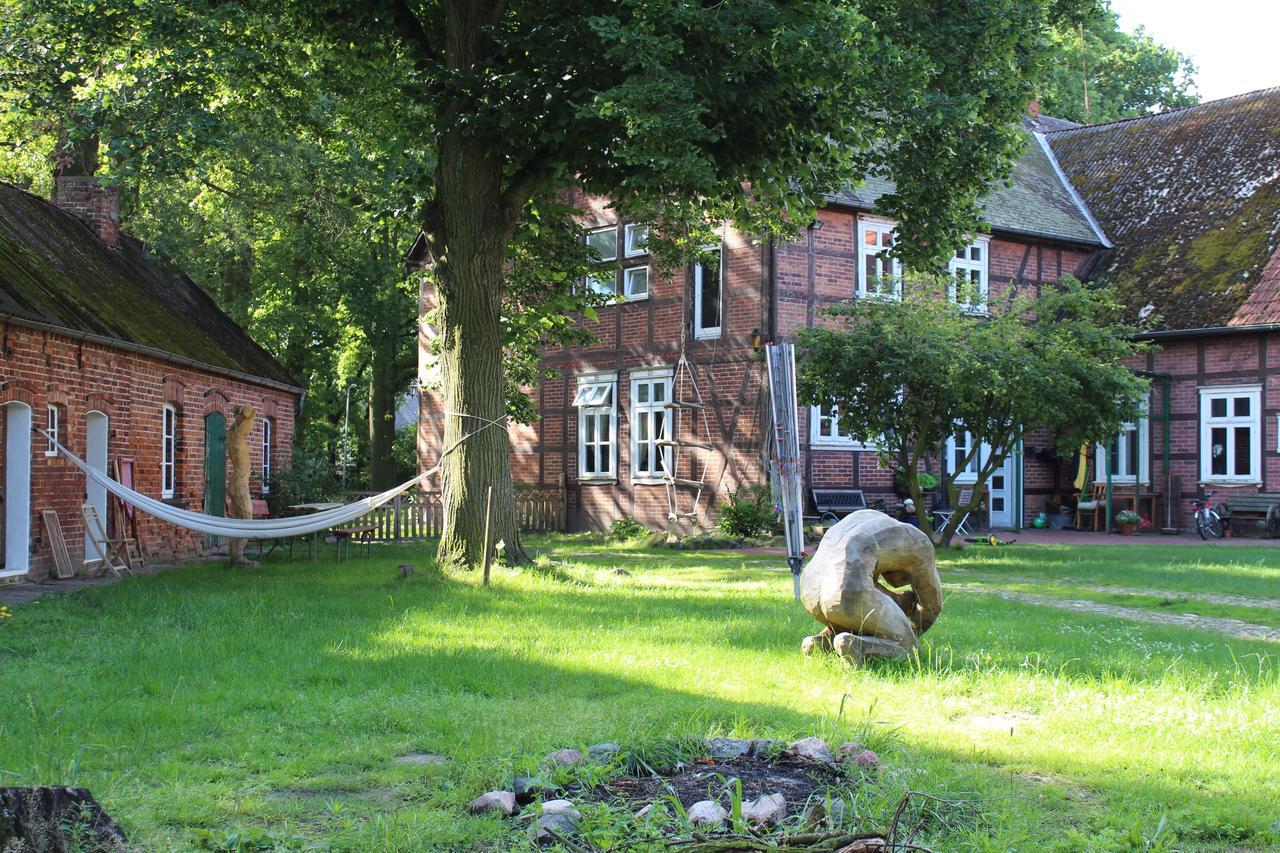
<point x="1127" y="520"/>
<point x="928" y="482"/>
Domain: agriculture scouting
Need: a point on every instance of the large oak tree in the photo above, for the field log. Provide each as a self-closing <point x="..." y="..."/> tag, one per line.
<point x="684" y="113"/>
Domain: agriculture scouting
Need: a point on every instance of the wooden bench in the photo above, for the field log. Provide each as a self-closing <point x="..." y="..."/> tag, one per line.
<point x="361" y="534"/>
<point x="1262" y="510"/>
<point x="834" y="504"/>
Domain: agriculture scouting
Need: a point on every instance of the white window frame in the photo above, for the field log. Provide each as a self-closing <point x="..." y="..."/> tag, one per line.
<point x="52" y="421"/>
<point x="866" y="253"/>
<point x="266" y="455"/>
<point x="635" y="241"/>
<point x="699" y="331"/>
<point x="628" y="290"/>
<point x="603" y="282"/>
<point x="824" y="432"/>
<point x="1253" y="420"/>
<point x="970" y="474"/>
<point x="168" y="450"/>
<point x="967" y="265"/>
<point x="597" y="396"/>
<point x="1139" y="431"/>
<point x="661" y="457"/>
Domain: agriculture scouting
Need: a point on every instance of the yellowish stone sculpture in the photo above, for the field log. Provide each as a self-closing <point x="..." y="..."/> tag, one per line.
<point x="874" y="586"/>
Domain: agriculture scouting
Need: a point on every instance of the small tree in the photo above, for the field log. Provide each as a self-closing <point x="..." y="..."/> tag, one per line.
<point x="908" y="375"/>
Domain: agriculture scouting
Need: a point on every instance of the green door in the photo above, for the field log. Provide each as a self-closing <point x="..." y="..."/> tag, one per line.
<point x="215" y="471"/>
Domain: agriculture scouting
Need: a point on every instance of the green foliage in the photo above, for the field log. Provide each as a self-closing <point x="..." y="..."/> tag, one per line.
<point x="309" y="478"/>
<point x="626" y="529"/>
<point x="909" y="375"/>
<point x="1127" y="516"/>
<point x="1128" y="74"/>
<point x="749" y="513"/>
<point x="405" y="452"/>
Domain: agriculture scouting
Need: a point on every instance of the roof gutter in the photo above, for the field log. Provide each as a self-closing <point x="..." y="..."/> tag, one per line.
<point x="151" y="352"/>
<point x="1207" y="332"/>
<point x="1075" y="196"/>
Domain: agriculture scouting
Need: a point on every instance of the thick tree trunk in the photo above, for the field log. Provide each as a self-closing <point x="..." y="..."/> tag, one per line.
<point x="383" y="393"/>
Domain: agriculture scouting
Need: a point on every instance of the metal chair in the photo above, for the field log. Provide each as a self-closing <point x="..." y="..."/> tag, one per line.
<point x="942" y="516"/>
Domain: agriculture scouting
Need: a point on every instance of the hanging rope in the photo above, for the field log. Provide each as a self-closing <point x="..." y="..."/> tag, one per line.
<point x="241" y="528"/>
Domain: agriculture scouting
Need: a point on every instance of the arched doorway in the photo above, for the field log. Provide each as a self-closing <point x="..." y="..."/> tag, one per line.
<point x="96" y="431"/>
<point x="17" y="489"/>
<point x="215" y="470"/>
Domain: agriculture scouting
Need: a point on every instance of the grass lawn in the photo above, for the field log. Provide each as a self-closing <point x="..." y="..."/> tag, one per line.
<point x="273" y="702"/>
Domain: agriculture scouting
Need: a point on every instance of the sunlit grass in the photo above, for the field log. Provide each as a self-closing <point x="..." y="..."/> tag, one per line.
<point x="276" y="700"/>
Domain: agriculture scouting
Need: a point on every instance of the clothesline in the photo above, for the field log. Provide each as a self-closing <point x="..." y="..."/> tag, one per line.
<point x="241" y="528"/>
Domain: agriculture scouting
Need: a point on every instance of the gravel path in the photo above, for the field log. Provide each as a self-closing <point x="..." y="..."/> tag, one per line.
<point x="1210" y="597"/>
<point x="1236" y="628"/>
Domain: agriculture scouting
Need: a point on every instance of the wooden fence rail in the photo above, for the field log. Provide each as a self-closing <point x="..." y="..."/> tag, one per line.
<point x="419" y="515"/>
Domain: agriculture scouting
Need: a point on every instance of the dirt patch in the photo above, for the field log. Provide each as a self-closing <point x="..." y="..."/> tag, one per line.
<point x="797" y="779"/>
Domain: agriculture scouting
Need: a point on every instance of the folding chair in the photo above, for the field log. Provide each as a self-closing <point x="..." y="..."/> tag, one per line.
<point x="1095" y="508"/>
<point x="109" y="550"/>
<point x="942" y="516"/>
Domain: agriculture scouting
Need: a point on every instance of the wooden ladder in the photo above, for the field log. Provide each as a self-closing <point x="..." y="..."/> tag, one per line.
<point x="683" y="438"/>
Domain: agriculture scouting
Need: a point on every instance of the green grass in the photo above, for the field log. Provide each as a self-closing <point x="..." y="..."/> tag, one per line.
<point x="274" y="701"/>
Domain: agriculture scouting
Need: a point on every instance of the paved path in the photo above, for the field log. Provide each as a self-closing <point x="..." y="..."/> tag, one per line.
<point x="1209" y="597"/>
<point x="28" y="591"/>
<point x="1236" y="628"/>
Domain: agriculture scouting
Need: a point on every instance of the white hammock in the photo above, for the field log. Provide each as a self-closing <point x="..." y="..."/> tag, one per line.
<point x="238" y="528"/>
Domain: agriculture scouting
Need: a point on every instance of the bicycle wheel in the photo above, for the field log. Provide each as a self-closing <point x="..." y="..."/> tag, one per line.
<point x="1200" y="524"/>
<point x="1214" y="526"/>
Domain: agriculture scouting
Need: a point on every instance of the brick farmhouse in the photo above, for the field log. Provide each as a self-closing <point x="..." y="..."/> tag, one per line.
<point x="1180" y="211"/>
<point x="132" y="366"/>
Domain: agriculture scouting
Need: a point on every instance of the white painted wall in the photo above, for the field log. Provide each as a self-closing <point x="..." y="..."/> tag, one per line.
<point x="96" y="430"/>
<point x="17" y="489"/>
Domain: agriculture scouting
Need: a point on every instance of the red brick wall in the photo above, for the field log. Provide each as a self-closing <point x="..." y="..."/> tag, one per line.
<point x="39" y="368"/>
<point x="809" y="274"/>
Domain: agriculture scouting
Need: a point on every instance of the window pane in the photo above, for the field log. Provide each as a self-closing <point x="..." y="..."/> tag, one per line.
<point x="1218" y="450"/>
<point x="1242" y="407"/>
<point x="589" y="459"/>
<point x="604" y="283"/>
<point x="637" y="239"/>
<point x="642" y="457"/>
<point x="1243" y="452"/>
<point x="975" y="253"/>
<point x="605" y="243"/>
<point x="589" y="429"/>
<point x="642" y="392"/>
<point x="871" y="237"/>
<point x="637" y="281"/>
<point x="659" y="392"/>
<point x="709" y="303"/>
<point x="659" y="424"/>
<point x="642" y="427"/>
<point x="1218" y="407"/>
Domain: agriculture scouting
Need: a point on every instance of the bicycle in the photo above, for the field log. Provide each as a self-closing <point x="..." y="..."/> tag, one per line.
<point x="1208" y="523"/>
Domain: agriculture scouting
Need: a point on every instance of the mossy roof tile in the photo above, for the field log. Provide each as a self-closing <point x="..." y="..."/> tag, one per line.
<point x="1036" y="202"/>
<point x="56" y="272"/>
<point x="1191" y="199"/>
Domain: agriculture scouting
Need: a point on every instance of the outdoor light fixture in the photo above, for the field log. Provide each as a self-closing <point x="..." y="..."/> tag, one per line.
<point x="757" y="341"/>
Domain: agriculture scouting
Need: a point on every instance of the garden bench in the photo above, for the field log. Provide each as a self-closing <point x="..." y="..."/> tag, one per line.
<point x="1263" y="510"/>
<point x="835" y="504"/>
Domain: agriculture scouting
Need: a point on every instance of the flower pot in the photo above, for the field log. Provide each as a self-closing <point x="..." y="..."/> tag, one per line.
<point x="1127" y="529"/>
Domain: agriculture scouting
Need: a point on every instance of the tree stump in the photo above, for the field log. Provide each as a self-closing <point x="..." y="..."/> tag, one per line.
<point x="57" y="820"/>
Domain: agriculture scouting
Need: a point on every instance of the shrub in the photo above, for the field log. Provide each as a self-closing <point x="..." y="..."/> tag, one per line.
<point x="310" y="477"/>
<point x="626" y="529"/>
<point x="749" y="514"/>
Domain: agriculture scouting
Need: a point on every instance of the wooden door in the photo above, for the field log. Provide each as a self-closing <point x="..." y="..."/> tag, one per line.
<point x="215" y="470"/>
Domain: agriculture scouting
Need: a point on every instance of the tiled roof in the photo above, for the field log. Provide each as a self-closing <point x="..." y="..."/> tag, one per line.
<point x="55" y="272"/>
<point x="1191" y="199"/>
<point x="1038" y="202"/>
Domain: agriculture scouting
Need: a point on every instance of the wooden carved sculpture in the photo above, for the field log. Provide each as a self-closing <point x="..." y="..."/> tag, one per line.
<point x="242" y="421"/>
<point x="873" y="585"/>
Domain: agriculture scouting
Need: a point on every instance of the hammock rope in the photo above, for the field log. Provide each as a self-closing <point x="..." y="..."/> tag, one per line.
<point x="242" y="528"/>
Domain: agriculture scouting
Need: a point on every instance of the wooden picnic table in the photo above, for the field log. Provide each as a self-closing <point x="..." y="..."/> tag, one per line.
<point x="309" y="509"/>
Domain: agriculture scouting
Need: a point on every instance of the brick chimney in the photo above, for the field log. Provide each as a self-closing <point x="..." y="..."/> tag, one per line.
<point x="1033" y="109"/>
<point x="95" y="205"/>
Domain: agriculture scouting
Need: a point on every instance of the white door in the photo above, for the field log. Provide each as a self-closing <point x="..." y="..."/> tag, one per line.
<point x="17" y="489"/>
<point x="96" y="429"/>
<point x="1000" y="495"/>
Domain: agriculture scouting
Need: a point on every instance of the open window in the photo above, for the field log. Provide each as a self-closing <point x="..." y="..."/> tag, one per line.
<point x="596" y="401"/>
<point x="708" y="286"/>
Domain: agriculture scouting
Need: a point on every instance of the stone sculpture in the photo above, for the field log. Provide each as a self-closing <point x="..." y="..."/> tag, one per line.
<point x="873" y="585"/>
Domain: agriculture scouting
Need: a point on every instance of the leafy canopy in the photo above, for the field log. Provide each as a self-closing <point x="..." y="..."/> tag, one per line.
<point x="909" y="375"/>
